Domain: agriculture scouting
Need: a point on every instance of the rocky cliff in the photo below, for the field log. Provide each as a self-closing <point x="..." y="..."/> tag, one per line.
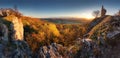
<point x="12" y="44"/>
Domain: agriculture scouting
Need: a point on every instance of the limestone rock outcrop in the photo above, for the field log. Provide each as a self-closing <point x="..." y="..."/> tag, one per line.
<point x="9" y="11"/>
<point x="14" y="49"/>
<point x="12" y="44"/>
<point x="17" y="27"/>
<point x="50" y="51"/>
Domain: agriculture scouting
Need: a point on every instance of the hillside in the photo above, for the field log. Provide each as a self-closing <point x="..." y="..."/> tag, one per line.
<point x="26" y="37"/>
<point x="109" y="30"/>
<point x="66" y="20"/>
<point x="103" y="39"/>
<point x="31" y="34"/>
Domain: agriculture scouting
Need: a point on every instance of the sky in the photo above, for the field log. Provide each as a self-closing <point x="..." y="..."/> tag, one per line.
<point x="61" y="8"/>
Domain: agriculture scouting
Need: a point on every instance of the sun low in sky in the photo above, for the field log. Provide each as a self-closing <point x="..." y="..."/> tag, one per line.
<point x="61" y="8"/>
<point x="87" y="16"/>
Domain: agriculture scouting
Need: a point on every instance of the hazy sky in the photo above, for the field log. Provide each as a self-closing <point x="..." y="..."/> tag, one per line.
<point x="61" y="8"/>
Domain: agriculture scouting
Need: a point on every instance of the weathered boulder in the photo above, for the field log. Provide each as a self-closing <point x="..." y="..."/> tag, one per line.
<point x="22" y="50"/>
<point x="3" y="32"/>
<point x="50" y="51"/>
<point x="16" y="49"/>
<point x="4" y="12"/>
<point x="9" y="11"/>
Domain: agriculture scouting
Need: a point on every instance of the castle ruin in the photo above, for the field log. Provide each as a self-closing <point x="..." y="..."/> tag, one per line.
<point x="103" y="11"/>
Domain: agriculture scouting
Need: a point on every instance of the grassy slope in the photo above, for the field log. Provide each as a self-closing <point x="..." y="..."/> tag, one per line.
<point x="99" y="26"/>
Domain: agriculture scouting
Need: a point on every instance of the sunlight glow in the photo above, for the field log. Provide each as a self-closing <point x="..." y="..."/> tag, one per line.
<point x="87" y="16"/>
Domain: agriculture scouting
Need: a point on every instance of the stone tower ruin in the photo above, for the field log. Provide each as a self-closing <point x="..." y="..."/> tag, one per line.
<point x="103" y="11"/>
